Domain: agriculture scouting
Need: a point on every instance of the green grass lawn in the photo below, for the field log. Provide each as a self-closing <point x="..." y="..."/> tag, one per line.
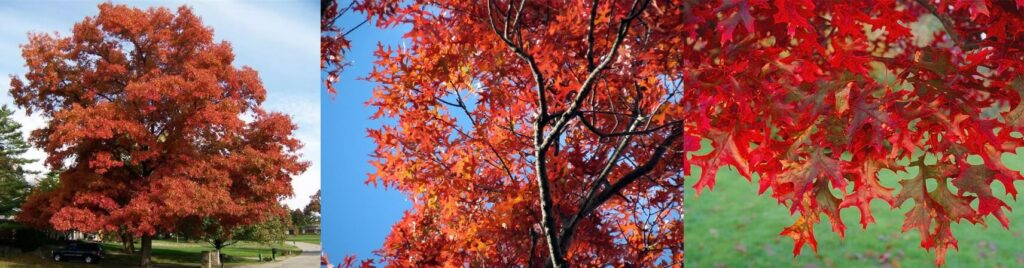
<point x="308" y="238"/>
<point x="732" y="226"/>
<point x="165" y="254"/>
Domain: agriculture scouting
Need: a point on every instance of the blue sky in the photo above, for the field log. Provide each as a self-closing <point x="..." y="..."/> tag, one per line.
<point x="356" y="216"/>
<point x="277" y="38"/>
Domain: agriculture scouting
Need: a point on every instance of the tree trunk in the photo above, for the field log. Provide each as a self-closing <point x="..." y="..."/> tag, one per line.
<point x="323" y="6"/>
<point x="218" y="244"/>
<point x="131" y="243"/>
<point x="128" y="243"/>
<point x="216" y="261"/>
<point x="124" y="243"/>
<point x="147" y="251"/>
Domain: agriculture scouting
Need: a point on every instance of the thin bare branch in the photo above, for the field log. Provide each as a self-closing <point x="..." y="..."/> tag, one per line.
<point x="598" y="132"/>
<point x="590" y="36"/>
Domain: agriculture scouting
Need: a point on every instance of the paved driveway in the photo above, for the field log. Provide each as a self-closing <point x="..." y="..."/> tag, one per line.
<point x="310" y="257"/>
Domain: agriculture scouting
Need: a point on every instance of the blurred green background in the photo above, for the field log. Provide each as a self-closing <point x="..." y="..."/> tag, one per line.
<point x="733" y="226"/>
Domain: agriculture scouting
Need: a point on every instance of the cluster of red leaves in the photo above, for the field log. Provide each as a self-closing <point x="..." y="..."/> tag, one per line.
<point x="815" y="97"/>
<point x="153" y="126"/>
<point x="348" y="262"/>
<point x="464" y="95"/>
<point x="333" y="43"/>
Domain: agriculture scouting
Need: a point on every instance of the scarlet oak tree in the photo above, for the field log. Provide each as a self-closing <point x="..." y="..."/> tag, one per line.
<point x="153" y="126"/>
<point x="532" y="132"/>
<point x="815" y="97"/>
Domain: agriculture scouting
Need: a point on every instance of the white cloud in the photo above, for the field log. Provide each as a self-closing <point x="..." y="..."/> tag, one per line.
<point x="287" y="33"/>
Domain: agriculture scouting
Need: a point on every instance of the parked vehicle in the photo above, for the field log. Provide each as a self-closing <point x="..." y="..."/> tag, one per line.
<point x="88" y="252"/>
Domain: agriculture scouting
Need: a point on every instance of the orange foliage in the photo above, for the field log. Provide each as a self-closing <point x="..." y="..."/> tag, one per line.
<point x="153" y="126"/>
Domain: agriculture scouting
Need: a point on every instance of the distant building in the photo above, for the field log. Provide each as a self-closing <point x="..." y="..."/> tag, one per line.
<point x="311" y="229"/>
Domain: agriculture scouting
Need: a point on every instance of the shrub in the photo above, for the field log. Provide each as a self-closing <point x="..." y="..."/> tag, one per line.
<point x="28" y="239"/>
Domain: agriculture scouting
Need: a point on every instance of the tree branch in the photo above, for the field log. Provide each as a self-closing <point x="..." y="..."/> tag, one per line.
<point x="533" y="247"/>
<point x="598" y="132"/>
<point x="542" y="140"/>
<point x="356" y="27"/>
<point x="601" y="180"/>
<point x="540" y="152"/>
<point x="462" y="104"/>
<point x="588" y="84"/>
<point x="639" y="171"/>
<point x="590" y="36"/>
<point x="538" y="77"/>
<point x="947" y="23"/>
<point x="569" y="228"/>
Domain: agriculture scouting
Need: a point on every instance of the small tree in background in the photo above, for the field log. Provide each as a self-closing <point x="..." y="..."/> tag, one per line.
<point x="271" y="232"/>
<point x="314" y="203"/>
<point x="312" y="210"/>
<point x="307" y="216"/>
<point x="299" y="220"/>
<point x="49" y="182"/>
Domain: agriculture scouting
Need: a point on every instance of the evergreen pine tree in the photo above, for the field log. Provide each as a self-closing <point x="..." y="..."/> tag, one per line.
<point x="13" y="184"/>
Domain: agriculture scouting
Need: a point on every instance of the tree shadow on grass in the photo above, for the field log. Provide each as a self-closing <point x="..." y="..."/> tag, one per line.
<point x="165" y="254"/>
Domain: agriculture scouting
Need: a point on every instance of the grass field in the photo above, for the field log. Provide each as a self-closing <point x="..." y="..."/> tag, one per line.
<point x="165" y="254"/>
<point x="732" y="226"/>
<point x="308" y="238"/>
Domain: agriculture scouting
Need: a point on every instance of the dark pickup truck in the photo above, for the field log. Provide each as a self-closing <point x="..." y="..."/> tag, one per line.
<point x="89" y="252"/>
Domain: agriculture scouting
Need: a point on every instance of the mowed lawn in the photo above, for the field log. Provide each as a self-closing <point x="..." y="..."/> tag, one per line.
<point x="732" y="226"/>
<point x="165" y="254"/>
<point x="308" y="238"/>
